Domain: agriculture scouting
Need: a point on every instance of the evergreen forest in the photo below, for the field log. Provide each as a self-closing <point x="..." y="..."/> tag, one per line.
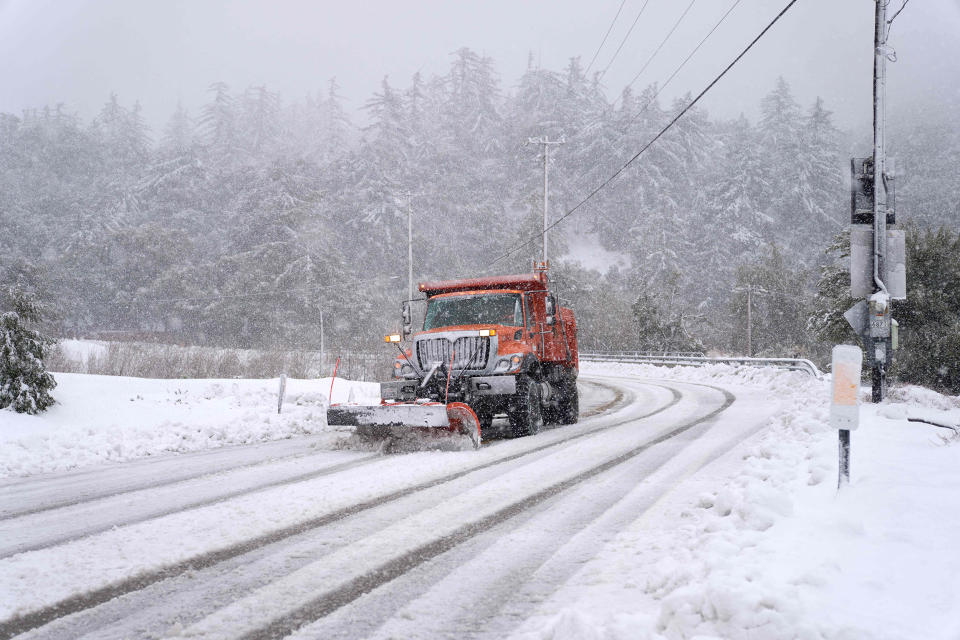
<point x="240" y="224"/>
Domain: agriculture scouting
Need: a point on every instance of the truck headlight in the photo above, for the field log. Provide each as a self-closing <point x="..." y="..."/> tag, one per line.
<point x="401" y="369"/>
<point x="508" y="364"/>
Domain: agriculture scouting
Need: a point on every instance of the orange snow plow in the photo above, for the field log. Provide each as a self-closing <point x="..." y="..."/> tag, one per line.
<point x="454" y="424"/>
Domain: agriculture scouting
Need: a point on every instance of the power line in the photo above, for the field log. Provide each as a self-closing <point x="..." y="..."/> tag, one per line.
<point x="652" y="100"/>
<point x="663" y="86"/>
<point x="662" y="42"/>
<point x="624" y="41"/>
<point x="605" y="36"/>
<point x="654" y="139"/>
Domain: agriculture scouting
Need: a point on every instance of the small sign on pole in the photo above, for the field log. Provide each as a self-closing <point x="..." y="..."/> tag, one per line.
<point x="845" y="404"/>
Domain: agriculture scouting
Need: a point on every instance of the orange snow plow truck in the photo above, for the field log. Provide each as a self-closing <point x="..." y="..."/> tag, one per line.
<point x="489" y="346"/>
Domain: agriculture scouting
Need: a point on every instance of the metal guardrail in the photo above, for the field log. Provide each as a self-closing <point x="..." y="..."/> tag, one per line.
<point x="699" y="360"/>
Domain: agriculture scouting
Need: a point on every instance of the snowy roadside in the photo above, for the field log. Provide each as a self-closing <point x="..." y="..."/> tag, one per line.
<point x="101" y="419"/>
<point x="759" y="544"/>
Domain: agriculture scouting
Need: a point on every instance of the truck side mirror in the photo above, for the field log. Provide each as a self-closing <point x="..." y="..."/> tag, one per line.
<point x="407" y="319"/>
<point x="551" y="310"/>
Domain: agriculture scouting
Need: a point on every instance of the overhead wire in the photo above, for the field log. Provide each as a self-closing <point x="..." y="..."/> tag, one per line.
<point x="669" y="79"/>
<point x="625" y="38"/>
<point x="662" y="42"/>
<point x="663" y="86"/>
<point x="605" y="36"/>
<point x="653" y="140"/>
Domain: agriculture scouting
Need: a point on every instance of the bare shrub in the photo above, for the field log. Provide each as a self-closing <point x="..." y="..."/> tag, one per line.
<point x="60" y="361"/>
<point x="147" y="360"/>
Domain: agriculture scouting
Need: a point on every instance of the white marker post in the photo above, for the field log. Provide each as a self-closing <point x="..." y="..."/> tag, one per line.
<point x="845" y="407"/>
<point x="283" y="390"/>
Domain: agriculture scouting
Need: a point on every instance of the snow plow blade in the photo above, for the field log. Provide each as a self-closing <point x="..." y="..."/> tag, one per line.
<point x="405" y="420"/>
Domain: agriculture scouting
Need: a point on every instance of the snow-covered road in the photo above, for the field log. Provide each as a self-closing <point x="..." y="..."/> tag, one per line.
<point x="287" y="537"/>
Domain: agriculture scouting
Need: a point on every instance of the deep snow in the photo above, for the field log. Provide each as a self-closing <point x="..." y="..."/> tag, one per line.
<point x="761" y="544"/>
<point x="101" y="419"/>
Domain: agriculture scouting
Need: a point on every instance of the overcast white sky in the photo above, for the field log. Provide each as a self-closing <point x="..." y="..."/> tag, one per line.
<point x="159" y="52"/>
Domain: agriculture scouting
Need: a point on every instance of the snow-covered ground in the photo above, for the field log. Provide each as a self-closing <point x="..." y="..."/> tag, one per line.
<point x="760" y="544"/>
<point x="752" y="541"/>
<point x="101" y="419"/>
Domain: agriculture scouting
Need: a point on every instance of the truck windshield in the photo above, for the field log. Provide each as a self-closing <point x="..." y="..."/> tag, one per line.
<point x="498" y="308"/>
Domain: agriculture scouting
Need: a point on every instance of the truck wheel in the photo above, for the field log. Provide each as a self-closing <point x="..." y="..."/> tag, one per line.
<point x="551" y="414"/>
<point x="485" y="418"/>
<point x="570" y="404"/>
<point x="571" y="407"/>
<point x="526" y="418"/>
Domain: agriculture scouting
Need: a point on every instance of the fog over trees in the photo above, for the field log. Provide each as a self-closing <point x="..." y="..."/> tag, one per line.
<point x="238" y="224"/>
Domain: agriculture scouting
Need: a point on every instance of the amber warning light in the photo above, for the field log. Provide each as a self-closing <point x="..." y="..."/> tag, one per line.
<point x="393" y="337"/>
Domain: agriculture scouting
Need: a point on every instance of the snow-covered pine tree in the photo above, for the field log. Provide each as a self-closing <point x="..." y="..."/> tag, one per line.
<point x="468" y="165"/>
<point x="218" y="125"/>
<point x="179" y="134"/>
<point x="821" y="174"/>
<point x="336" y="128"/>
<point x="832" y="298"/>
<point x="780" y="143"/>
<point x="25" y="384"/>
<point x="259" y="120"/>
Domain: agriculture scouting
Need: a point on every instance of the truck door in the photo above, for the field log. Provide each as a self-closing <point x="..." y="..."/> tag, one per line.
<point x="554" y="347"/>
<point x="547" y="340"/>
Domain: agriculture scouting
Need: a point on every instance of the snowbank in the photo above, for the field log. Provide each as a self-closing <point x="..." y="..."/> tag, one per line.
<point x="108" y="418"/>
<point x="761" y="545"/>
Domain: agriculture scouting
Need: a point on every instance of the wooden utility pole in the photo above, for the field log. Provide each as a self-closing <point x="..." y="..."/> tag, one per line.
<point x="409" y="248"/>
<point x="879" y="316"/>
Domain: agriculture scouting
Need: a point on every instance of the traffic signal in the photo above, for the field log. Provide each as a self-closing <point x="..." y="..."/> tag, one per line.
<point x="861" y="193"/>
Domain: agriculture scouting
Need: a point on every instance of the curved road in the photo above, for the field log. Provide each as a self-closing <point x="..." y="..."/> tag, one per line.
<point x="280" y="539"/>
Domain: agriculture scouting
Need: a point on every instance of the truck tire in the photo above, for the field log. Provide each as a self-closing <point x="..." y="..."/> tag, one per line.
<point x="485" y="417"/>
<point x="569" y="408"/>
<point x="526" y="417"/>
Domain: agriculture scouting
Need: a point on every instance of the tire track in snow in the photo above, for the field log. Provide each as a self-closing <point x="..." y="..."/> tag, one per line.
<point x="82" y="601"/>
<point x="22" y="485"/>
<point x="353" y="588"/>
<point x="70" y="536"/>
<point x="184" y="506"/>
<point x="19" y="485"/>
<point x="189" y="597"/>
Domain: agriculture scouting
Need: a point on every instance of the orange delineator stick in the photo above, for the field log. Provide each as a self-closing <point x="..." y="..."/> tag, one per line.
<point x="335" y="367"/>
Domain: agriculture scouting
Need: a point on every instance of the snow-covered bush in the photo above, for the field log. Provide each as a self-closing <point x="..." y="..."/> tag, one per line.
<point x="25" y="384"/>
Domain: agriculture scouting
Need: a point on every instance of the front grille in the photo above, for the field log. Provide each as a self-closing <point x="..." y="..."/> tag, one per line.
<point x="471" y="352"/>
